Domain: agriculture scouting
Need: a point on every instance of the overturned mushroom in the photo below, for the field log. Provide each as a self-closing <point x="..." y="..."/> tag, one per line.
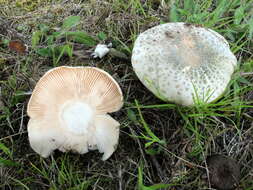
<point x="183" y="63"/>
<point x="224" y="172"/>
<point x="68" y="111"/>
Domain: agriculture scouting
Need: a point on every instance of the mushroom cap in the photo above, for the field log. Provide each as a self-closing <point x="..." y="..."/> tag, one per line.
<point x="224" y="172"/>
<point x="183" y="63"/>
<point x="66" y="109"/>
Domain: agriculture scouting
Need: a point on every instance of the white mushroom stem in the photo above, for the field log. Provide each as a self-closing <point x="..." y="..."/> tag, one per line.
<point x="76" y="117"/>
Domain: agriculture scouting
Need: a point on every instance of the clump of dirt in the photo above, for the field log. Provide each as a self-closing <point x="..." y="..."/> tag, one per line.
<point x="224" y="172"/>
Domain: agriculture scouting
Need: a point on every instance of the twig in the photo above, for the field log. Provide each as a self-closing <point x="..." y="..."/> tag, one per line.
<point x="246" y="73"/>
<point x="158" y="167"/>
<point x="190" y="163"/>
<point x="16" y="134"/>
<point x="207" y="171"/>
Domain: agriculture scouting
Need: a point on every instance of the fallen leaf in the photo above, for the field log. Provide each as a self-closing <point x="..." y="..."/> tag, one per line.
<point x="17" y="46"/>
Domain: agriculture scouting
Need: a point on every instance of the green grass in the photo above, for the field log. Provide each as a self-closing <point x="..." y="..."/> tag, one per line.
<point x="162" y="145"/>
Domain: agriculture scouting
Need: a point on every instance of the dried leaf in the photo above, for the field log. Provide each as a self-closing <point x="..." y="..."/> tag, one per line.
<point x="17" y="46"/>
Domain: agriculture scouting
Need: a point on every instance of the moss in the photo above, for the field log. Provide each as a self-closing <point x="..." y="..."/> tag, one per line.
<point x="4" y="1"/>
<point x="26" y="5"/>
<point x="30" y="5"/>
<point x="2" y="62"/>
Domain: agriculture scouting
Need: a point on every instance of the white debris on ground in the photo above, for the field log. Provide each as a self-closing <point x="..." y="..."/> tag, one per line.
<point x="101" y="50"/>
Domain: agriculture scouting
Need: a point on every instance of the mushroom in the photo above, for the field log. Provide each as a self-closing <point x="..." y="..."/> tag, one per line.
<point x="69" y="109"/>
<point x="224" y="172"/>
<point x="183" y="63"/>
<point x="101" y="50"/>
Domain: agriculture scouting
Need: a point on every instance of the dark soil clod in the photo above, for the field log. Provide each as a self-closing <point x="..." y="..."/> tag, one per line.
<point x="224" y="172"/>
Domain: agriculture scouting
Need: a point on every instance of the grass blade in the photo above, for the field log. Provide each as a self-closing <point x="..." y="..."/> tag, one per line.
<point x="5" y="149"/>
<point x="81" y="37"/>
<point x="4" y="162"/>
